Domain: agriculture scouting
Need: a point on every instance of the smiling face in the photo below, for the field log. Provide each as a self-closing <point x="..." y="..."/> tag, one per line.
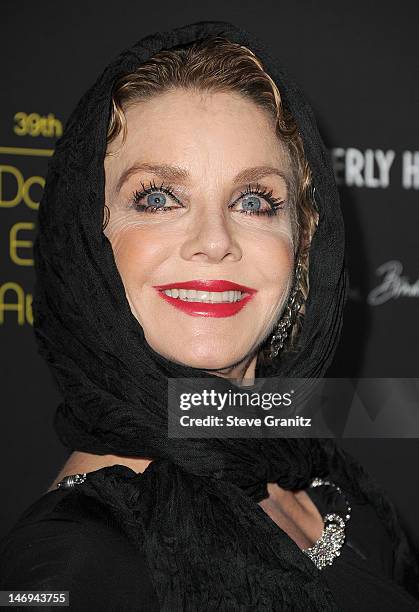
<point x="191" y="157"/>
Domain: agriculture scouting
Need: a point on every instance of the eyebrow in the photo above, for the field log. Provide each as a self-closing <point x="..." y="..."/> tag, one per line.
<point x="176" y="173"/>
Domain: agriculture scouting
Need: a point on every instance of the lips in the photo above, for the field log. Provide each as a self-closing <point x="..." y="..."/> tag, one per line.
<point x="207" y="309"/>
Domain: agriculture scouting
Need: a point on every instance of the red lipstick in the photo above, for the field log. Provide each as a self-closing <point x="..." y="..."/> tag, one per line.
<point x="207" y="309"/>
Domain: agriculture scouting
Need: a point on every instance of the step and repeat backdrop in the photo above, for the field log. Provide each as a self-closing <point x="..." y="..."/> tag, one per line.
<point x="358" y="65"/>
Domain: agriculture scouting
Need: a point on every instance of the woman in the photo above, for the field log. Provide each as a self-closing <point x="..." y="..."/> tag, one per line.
<point x="206" y="161"/>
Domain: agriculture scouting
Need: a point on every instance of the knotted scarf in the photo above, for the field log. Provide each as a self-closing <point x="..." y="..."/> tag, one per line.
<point x="194" y="510"/>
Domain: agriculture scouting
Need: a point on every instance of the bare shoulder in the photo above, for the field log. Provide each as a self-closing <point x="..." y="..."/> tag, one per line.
<point x="81" y="462"/>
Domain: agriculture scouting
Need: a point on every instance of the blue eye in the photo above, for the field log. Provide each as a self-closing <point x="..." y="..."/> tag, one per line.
<point x="156" y="199"/>
<point x="251" y="203"/>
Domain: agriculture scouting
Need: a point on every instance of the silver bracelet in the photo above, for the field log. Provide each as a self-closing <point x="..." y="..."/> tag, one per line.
<point x="328" y="546"/>
<point x="70" y="481"/>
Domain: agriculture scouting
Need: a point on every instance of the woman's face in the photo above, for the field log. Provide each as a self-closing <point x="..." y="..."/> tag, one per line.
<point x="193" y="156"/>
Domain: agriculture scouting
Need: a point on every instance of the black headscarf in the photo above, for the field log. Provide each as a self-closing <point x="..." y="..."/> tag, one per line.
<point x="194" y="510"/>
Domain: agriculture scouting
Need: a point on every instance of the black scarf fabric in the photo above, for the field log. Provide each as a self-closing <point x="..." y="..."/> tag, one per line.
<point x="194" y="510"/>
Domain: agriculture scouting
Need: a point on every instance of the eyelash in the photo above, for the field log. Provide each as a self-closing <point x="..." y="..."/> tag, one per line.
<point x="257" y="189"/>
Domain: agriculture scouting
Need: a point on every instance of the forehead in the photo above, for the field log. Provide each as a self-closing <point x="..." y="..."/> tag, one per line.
<point x="216" y="129"/>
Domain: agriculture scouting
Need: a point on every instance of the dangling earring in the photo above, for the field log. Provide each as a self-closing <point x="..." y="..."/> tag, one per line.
<point x="287" y="320"/>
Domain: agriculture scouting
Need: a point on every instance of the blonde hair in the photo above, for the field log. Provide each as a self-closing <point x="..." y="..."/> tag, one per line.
<point x="215" y="64"/>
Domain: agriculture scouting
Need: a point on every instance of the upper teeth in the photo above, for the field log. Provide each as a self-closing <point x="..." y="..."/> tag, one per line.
<point x="192" y="295"/>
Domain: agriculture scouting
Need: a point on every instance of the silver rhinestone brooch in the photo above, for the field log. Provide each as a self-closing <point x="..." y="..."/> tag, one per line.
<point x="328" y="546"/>
<point x="70" y="481"/>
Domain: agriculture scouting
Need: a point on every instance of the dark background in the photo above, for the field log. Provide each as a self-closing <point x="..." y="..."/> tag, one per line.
<point x="357" y="63"/>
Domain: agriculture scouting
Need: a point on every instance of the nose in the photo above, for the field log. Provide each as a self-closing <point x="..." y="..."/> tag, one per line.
<point x="211" y="238"/>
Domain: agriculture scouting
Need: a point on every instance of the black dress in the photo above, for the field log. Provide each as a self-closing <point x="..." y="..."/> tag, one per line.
<point x="77" y="546"/>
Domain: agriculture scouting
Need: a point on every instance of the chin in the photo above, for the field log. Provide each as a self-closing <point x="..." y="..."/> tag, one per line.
<point x="203" y="361"/>
<point x="210" y="362"/>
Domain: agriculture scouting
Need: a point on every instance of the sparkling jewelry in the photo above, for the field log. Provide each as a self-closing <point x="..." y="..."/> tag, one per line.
<point x="288" y="318"/>
<point x="70" y="481"/>
<point x="328" y="546"/>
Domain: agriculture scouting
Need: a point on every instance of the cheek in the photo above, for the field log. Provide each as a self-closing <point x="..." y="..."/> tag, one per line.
<point x="273" y="254"/>
<point x="275" y="273"/>
<point x="135" y="254"/>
